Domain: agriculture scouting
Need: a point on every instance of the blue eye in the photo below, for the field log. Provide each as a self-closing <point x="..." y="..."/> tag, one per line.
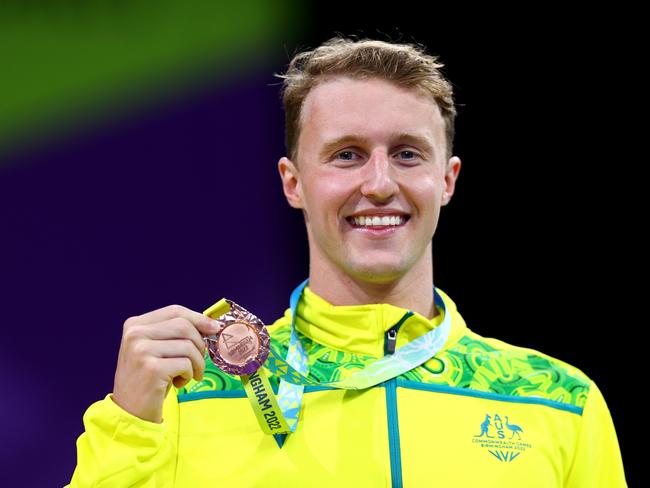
<point x="406" y="151"/>
<point x="345" y="152"/>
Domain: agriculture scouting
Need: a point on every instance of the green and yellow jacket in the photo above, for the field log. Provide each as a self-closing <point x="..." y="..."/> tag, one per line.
<point x="481" y="412"/>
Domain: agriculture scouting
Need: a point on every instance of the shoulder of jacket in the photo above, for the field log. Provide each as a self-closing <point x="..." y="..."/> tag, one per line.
<point x="521" y="371"/>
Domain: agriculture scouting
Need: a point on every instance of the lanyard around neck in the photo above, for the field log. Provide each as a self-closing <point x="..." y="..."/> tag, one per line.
<point x="293" y="372"/>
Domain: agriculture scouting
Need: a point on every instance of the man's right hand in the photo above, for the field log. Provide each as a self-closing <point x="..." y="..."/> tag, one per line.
<point x="159" y="348"/>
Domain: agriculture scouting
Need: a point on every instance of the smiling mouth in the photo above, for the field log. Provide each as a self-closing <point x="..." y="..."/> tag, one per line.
<point x="352" y="223"/>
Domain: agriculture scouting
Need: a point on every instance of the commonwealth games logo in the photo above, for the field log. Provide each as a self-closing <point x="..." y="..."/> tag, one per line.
<point x="501" y="438"/>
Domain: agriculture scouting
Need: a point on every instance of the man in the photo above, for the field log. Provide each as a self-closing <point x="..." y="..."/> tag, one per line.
<point x="369" y="132"/>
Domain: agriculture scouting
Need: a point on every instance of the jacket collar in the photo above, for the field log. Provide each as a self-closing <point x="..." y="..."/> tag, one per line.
<point x="361" y="329"/>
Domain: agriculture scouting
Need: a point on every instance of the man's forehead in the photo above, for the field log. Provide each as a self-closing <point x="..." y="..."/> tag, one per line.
<point x="333" y="97"/>
<point x="334" y="92"/>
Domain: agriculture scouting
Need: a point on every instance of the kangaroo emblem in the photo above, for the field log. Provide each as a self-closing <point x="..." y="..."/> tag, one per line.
<point x="515" y="429"/>
<point x="484" y="427"/>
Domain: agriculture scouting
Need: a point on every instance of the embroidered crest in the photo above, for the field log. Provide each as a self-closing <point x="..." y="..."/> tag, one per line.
<point x="503" y="439"/>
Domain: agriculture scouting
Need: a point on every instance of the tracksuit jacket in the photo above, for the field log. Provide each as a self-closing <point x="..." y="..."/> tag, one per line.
<point x="480" y="412"/>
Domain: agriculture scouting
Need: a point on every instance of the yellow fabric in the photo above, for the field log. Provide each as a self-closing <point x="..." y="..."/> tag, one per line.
<point x="343" y="437"/>
<point x="119" y="449"/>
<point x="597" y="456"/>
<point x="357" y="329"/>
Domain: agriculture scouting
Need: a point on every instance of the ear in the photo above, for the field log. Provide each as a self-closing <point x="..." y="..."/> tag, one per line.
<point x="290" y="182"/>
<point x="451" y="175"/>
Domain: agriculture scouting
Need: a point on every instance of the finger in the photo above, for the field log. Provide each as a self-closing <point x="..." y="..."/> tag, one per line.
<point x="177" y="328"/>
<point x="178" y="370"/>
<point x="203" y="323"/>
<point x="180" y="382"/>
<point x="180" y="348"/>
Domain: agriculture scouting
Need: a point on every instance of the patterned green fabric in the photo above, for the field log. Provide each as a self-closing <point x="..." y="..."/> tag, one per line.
<point x="470" y="363"/>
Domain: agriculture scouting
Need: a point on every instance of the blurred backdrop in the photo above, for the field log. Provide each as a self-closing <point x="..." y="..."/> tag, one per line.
<point x="139" y="144"/>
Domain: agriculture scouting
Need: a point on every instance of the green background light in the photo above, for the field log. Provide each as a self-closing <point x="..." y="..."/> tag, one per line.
<point x="70" y="62"/>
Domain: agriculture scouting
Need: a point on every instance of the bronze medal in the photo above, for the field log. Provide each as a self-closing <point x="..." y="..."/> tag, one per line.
<point x="242" y="345"/>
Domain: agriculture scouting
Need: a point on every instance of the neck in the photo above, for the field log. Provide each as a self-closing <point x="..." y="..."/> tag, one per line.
<point x="412" y="291"/>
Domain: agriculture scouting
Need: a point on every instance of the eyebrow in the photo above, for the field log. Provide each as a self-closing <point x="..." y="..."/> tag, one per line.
<point x="403" y="137"/>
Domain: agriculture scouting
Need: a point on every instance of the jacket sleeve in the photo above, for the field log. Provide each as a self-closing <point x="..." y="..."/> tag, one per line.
<point x="597" y="459"/>
<point x="120" y="449"/>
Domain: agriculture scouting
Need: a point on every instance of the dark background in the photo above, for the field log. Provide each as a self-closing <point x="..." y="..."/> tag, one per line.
<point x="181" y="203"/>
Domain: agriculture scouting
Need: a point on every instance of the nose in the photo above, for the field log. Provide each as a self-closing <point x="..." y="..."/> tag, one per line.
<point x="378" y="178"/>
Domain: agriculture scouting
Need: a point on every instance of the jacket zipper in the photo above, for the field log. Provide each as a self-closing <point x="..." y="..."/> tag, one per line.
<point x="390" y="340"/>
<point x="391" y="334"/>
<point x="393" y="434"/>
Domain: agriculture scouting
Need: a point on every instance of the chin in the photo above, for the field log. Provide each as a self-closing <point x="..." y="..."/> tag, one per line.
<point x="377" y="272"/>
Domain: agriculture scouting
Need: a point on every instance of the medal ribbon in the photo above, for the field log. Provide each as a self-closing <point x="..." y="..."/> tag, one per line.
<point x="279" y="415"/>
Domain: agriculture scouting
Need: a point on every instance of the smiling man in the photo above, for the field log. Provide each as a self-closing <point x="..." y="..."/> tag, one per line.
<point x="378" y="379"/>
<point x="374" y="174"/>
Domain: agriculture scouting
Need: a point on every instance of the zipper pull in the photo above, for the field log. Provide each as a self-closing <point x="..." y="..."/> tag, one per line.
<point x="391" y="339"/>
<point x="391" y="334"/>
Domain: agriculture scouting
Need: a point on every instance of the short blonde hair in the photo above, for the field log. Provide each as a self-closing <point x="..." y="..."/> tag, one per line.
<point x="404" y="64"/>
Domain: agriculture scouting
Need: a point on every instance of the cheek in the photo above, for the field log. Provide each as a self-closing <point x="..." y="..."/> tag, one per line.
<point x="425" y="194"/>
<point x="325" y="200"/>
<point x="327" y="194"/>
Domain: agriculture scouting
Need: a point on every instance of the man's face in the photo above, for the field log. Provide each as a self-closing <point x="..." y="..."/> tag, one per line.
<point x="392" y="161"/>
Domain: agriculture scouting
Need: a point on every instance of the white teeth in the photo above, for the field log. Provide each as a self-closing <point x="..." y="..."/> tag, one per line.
<point x="376" y="220"/>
